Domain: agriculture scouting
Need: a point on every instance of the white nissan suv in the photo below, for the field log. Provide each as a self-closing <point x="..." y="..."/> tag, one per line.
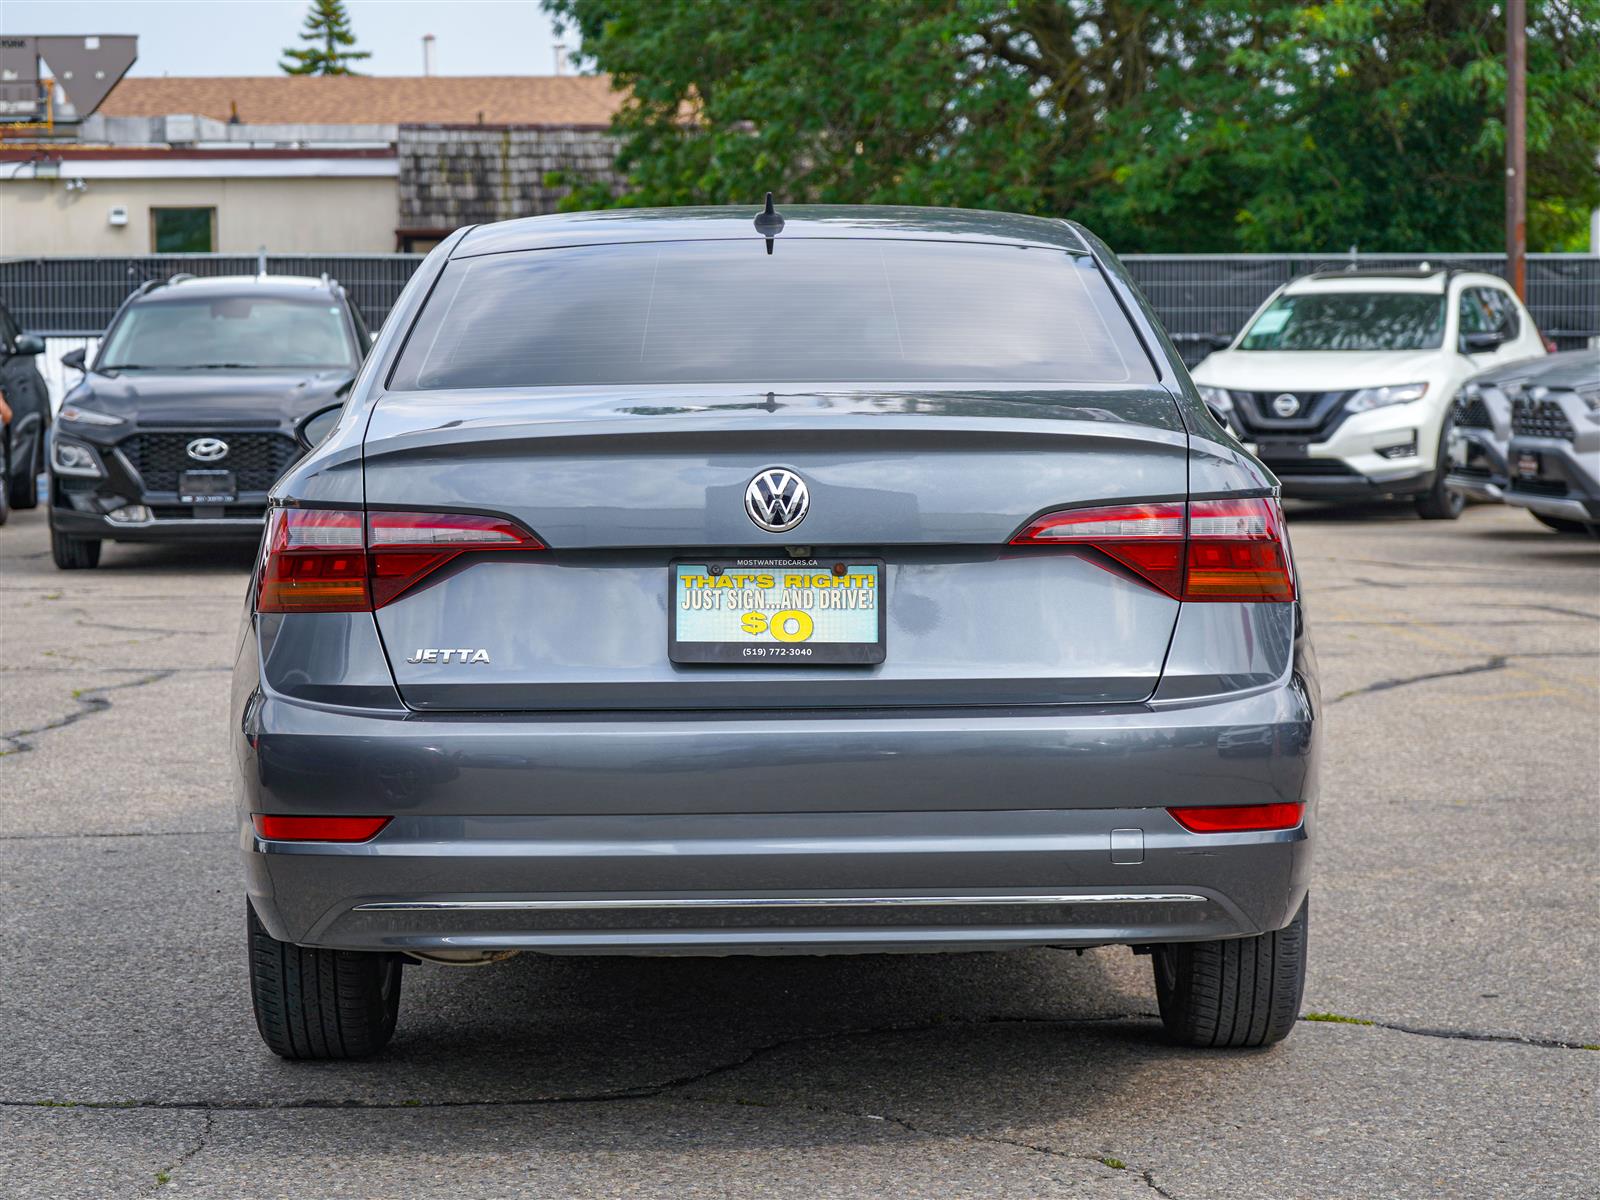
<point x="1342" y="383"/>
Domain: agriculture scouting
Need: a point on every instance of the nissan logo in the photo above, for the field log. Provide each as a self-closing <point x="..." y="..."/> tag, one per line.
<point x="777" y="500"/>
<point x="1286" y="405"/>
<point x="207" y="449"/>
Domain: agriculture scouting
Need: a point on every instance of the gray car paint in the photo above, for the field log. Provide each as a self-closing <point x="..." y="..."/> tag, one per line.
<point x="995" y="788"/>
<point x="1574" y="464"/>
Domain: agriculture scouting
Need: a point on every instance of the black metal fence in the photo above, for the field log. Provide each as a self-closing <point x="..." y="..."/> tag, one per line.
<point x="76" y="297"/>
<point x="1199" y="296"/>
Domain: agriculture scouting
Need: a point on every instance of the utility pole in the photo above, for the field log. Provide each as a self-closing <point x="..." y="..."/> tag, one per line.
<point x="1517" y="146"/>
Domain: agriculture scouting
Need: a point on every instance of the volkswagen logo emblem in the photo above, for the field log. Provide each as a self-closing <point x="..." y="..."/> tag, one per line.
<point x="777" y="500"/>
<point x="1286" y="405"/>
<point x="207" y="449"/>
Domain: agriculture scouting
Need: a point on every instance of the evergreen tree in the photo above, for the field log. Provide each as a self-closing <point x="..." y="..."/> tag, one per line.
<point x="327" y="30"/>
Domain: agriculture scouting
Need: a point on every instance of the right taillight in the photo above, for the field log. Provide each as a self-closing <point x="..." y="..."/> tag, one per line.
<point x="338" y="560"/>
<point x="1207" y="550"/>
<point x="1237" y="551"/>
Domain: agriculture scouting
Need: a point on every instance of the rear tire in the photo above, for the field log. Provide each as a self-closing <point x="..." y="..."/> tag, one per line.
<point x="1234" y="992"/>
<point x="1562" y="524"/>
<point x="74" y="554"/>
<point x="321" y="1004"/>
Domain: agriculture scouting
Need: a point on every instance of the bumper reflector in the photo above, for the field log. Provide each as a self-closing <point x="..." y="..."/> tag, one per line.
<point x="317" y="829"/>
<point x="1239" y="818"/>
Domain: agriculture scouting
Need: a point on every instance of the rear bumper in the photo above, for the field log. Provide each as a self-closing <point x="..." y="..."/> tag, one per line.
<point x="792" y="833"/>
<point x="784" y="883"/>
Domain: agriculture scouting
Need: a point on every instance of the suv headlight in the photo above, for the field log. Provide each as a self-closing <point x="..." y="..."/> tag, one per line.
<point x="1591" y="397"/>
<point x="86" y="416"/>
<point x="1382" y="397"/>
<point x="73" y="458"/>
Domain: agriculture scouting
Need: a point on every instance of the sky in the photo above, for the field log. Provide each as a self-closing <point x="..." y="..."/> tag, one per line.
<point x="246" y="37"/>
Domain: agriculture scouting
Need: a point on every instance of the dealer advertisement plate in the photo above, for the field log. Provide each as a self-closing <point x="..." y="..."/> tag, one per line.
<point x="776" y="611"/>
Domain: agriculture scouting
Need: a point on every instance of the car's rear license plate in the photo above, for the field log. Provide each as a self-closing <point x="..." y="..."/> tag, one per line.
<point x="776" y="611"/>
<point x="1529" y="465"/>
<point x="206" y="487"/>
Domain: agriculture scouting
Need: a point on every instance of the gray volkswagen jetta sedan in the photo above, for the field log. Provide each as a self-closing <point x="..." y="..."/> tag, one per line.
<point x="710" y="581"/>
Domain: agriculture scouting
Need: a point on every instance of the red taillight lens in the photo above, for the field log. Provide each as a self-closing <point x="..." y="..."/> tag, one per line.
<point x="407" y="546"/>
<point x="1207" y="550"/>
<point x="322" y="560"/>
<point x="313" y="560"/>
<point x="1145" y="538"/>
<point x="1239" y="818"/>
<point x="317" y="829"/>
<point x="1237" y="551"/>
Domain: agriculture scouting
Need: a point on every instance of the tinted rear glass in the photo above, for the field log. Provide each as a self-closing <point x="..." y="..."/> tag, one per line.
<point x="728" y="312"/>
<point x="1350" y="321"/>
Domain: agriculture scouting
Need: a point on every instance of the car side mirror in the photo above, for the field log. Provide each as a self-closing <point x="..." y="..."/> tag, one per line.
<point x="318" y="426"/>
<point x="1219" y="341"/>
<point x="1482" y="343"/>
<point x="28" y="343"/>
<point x="74" y="359"/>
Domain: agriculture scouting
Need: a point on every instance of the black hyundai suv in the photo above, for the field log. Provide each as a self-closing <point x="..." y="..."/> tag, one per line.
<point x="203" y="392"/>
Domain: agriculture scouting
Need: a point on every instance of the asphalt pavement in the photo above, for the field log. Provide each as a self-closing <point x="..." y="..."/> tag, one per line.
<point x="1450" y="1046"/>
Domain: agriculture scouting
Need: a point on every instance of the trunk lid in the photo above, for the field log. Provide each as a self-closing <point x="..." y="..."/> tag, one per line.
<point x="933" y="482"/>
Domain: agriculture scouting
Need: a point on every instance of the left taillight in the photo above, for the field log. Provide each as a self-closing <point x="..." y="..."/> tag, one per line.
<point x="336" y="560"/>
<point x="1204" y="550"/>
<point x="313" y="560"/>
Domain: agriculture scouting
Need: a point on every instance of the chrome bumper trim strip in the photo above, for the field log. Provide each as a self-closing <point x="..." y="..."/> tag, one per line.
<point x="784" y="902"/>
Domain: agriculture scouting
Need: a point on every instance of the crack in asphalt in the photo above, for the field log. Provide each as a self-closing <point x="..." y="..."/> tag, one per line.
<point x="613" y="1095"/>
<point x="1099" y="1160"/>
<point x="164" y="1175"/>
<point x="650" y="1091"/>
<point x="90" y="701"/>
<point x="1496" y="663"/>
<point x="1461" y="1035"/>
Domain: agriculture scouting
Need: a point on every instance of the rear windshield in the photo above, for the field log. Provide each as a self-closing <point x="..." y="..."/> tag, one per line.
<point x="231" y="331"/>
<point x="1350" y="321"/>
<point x="728" y="312"/>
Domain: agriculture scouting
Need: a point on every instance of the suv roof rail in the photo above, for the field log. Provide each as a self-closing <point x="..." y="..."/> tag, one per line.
<point x="1425" y="271"/>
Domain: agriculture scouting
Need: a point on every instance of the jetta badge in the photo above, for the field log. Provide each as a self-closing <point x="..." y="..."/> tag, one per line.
<point x="777" y="500"/>
<point x="1286" y="405"/>
<point x="207" y="449"/>
<point x="433" y="654"/>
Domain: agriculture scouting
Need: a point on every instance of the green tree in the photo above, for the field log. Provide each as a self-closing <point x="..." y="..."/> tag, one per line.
<point x="328" y="35"/>
<point x="1166" y="125"/>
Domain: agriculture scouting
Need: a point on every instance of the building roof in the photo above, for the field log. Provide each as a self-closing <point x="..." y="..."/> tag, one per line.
<point x="372" y="99"/>
<point x="831" y="221"/>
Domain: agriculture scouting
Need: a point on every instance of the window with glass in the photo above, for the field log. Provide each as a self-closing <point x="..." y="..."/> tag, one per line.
<point x="174" y="333"/>
<point x="183" y="230"/>
<point x="1349" y="321"/>
<point x="815" y="310"/>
